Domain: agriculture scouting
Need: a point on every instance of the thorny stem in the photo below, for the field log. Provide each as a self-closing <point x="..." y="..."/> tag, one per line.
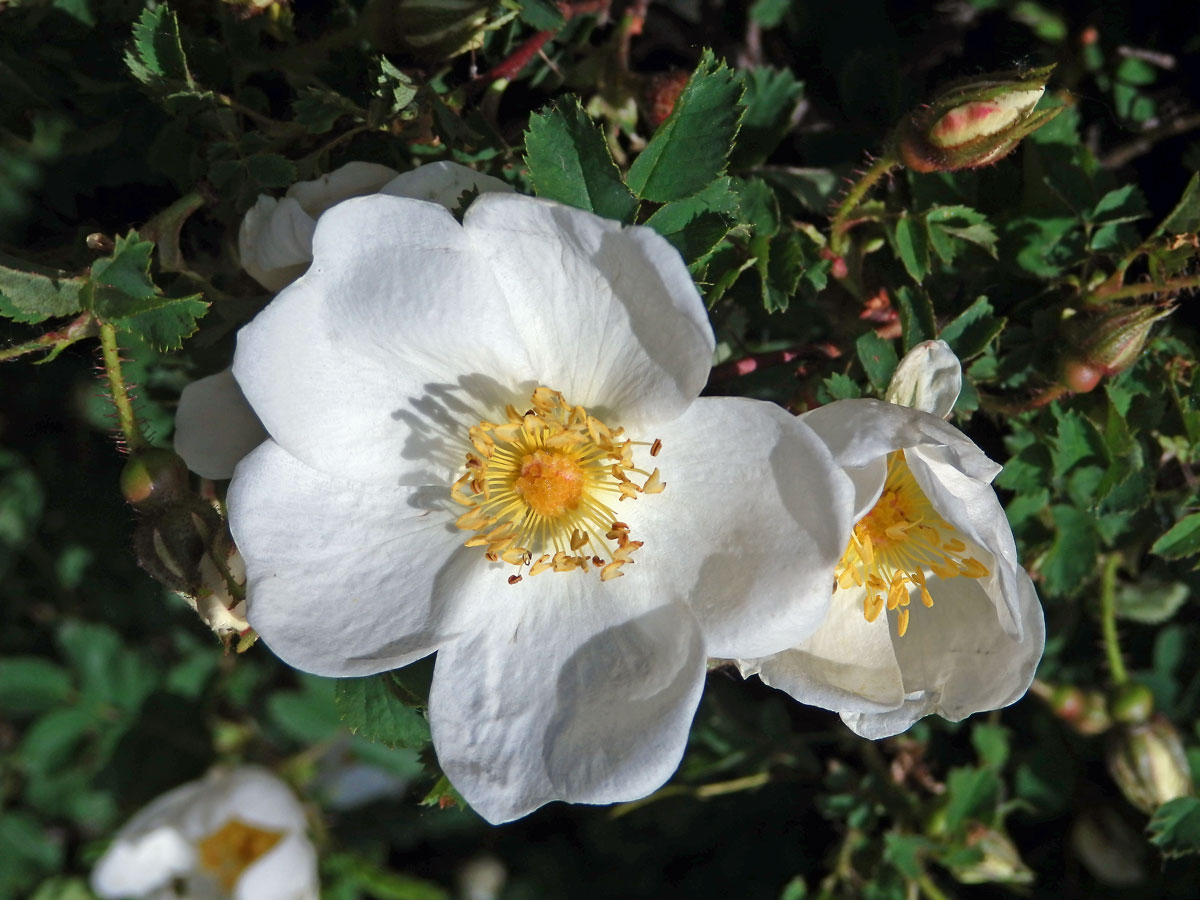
<point x="1011" y="408"/>
<point x="510" y="67"/>
<point x="1141" y="290"/>
<point x="54" y="342"/>
<point x="1108" y="619"/>
<point x="126" y="419"/>
<point x="840" y="223"/>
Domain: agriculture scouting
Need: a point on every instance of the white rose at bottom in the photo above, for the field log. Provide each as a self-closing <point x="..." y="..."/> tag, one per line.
<point x="931" y="611"/>
<point x="236" y="834"/>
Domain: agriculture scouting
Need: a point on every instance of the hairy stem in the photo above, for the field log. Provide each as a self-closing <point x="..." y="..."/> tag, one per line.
<point x="1108" y="619"/>
<point x="1130" y="291"/>
<point x="841" y="222"/>
<point x="126" y="420"/>
<point x="54" y="342"/>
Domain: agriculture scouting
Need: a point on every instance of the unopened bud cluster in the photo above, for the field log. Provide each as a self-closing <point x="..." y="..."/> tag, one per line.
<point x="1105" y="344"/>
<point x="974" y="122"/>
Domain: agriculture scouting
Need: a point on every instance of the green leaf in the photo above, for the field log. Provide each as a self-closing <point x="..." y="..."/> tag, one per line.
<point x="371" y="707"/>
<point x="689" y="150"/>
<point x="394" y="88"/>
<point x="904" y="851"/>
<point x="1077" y="440"/>
<point x="1149" y="601"/>
<point x="380" y="883"/>
<point x="1072" y="557"/>
<point x="27" y="852"/>
<point x="841" y="387"/>
<point x="970" y="332"/>
<point x="157" y="51"/>
<point x="973" y="794"/>
<point x="63" y="889"/>
<point x="164" y="322"/>
<point x="569" y="161"/>
<point x="1175" y="827"/>
<point x="541" y="15"/>
<point x="780" y="264"/>
<point x="108" y="672"/>
<point x="951" y="226"/>
<point x="771" y="97"/>
<point x="878" y="358"/>
<point x="30" y="293"/>
<point x="30" y="684"/>
<point x="1183" y="539"/>
<point x="768" y="14"/>
<point x="1123" y="204"/>
<point x="1185" y="217"/>
<point x="271" y="170"/>
<point x="911" y="242"/>
<point x="317" y="110"/>
<point x="119" y="281"/>
<point x="991" y="743"/>
<point x="916" y="316"/>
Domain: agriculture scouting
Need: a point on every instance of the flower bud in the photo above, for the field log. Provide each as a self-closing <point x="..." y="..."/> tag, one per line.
<point x="1131" y="703"/>
<point x="153" y="476"/>
<point x="430" y="29"/>
<point x="929" y="378"/>
<point x="659" y="94"/>
<point x="1105" y="343"/>
<point x="974" y="122"/>
<point x="171" y="539"/>
<point x="1148" y="764"/>
<point x="1000" y="862"/>
<point x="1084" y="711"/>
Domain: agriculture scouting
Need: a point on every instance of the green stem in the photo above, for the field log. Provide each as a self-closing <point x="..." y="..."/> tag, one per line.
<point x="134" y="439"/>
<point x="1141" y="290"/>
<point x="929" y="889"/>
<point x="839" y="225"/>
<point x="1108" y="619"/>
<point x="54" y="342"/>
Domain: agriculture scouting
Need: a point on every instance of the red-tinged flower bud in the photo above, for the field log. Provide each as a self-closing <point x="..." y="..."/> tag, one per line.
<point x="1148" y="764"/>
<point x="1131" y="703"/>
<point x="974" y="122"/>
<point x="152" y="476"/>
<point x="659" y="94"/>
<point x="1105" y="343"/>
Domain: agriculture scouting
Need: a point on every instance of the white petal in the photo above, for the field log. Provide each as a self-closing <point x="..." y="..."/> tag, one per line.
<point x="608" y="313"/>
<point x="354" y="179"/>
<point x="373" y="365"/>
<point x="573" y="692"/>
<point x="847" y="666"/>
<point x="754" y="517"/>
<point x="972" y="507"/>
<point x="275" y="241"/>
<point x="215" y="426"/>
<point x="957" y="659"/>
<point x="341" y="576"/>
<point x="135" y="865"/>
<point x="860" y="431"/>
<point x="287" y="872"/>
<point x="929" y="378"/>
<point x="443" y="183"/>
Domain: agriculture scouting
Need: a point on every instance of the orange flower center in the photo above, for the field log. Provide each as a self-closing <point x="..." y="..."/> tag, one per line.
<point x="541" y="485"/>
<point x="234" y="847"/>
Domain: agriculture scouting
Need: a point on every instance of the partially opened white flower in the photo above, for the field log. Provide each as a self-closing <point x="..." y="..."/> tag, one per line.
<point x="931" y="611"/>
<point x="929" y="378"/>
<point x="214" y="425"/>
<point x="486" y="441"/>
<point x="236" y="834"/>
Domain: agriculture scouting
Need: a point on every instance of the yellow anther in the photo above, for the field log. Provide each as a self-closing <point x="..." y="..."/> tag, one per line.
<point x="902" y="622"/>
<point x="654" y="484"/>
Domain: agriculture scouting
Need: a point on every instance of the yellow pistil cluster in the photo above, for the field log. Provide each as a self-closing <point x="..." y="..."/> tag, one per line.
<point x="897" y="542"/>
<point x="538" y="488"/>
<point x="234" y="847"/>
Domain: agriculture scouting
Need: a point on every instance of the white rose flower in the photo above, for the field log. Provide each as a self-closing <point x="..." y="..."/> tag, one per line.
<point x="931" y="611"/>
<point x="471" y="430"/>
<point x="275" y="239"/>
<point x="214" y="425"/>
<point x="236" y="834"/>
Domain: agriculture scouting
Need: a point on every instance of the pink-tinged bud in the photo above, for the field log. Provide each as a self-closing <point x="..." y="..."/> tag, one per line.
<point x="660" y="92"/>
<point x="974" y="122"/>
<point x="999" y="861"/>
<point x="1105" y="344"/>
<point x="153" y="475"/>
<point x="1148" y="764"/>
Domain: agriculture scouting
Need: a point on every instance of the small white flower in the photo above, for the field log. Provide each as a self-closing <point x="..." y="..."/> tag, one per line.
<point x="236" y="834"/>
<point x="214" y="425"/>
<point x="486" y="442"/>
<point x="929" y="378"/>
<point x="931" y="611"/>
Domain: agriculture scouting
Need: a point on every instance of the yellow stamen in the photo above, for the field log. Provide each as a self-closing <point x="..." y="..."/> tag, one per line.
<point x="542" y="483"/>
<point x="900" y="540"/>
<point x="234" y="847"/>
